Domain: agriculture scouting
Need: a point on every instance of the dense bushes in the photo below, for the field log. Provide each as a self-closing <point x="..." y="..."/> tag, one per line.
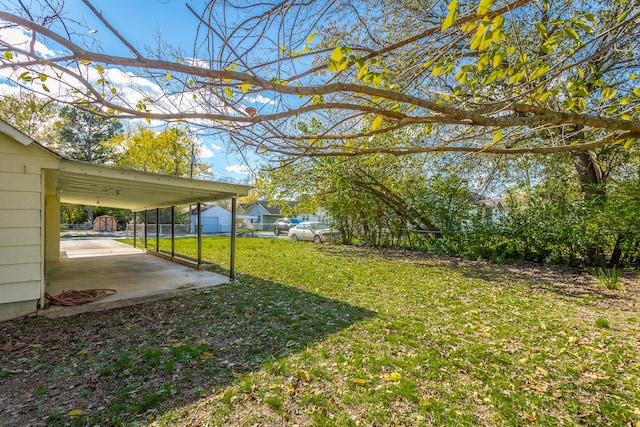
<point x="568" y="233"/>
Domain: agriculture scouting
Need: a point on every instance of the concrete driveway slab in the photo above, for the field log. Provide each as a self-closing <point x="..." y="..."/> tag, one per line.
<point x="98" y="263"/>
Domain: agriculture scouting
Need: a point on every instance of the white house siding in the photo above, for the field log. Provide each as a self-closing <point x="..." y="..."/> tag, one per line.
<point x="263" y="219"/>
<point x="215" y="219"/>
<point x="21" y="226"/>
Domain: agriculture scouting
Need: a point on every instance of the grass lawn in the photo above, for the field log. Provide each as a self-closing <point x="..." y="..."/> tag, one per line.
<point x="328" y="335"/>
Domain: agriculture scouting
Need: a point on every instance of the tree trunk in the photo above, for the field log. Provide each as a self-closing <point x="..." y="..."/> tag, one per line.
<point x="397" y="204"/>
<point x="592" y="179"/>
<point x="593" y="183"/>
<point x="616" y="254"/>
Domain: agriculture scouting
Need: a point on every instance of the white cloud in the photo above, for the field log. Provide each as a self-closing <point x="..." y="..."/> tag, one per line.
<point x="239" y="169"/>
<point x="9" y="90"/>
<point x="205" y="153"/>
<point x="127" y="87"/>
<point x="22" y="39"/>
<point x="261" y="100"/>
<point x="216" y="147"/>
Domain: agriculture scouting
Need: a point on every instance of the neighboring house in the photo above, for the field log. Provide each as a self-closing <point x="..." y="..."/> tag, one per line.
<point x="320" y="215"/>
<point x="262" y="215"/>
<point x="215" y="219"/>
<point x="492" y="209"/>
<point x="35" y="180"/>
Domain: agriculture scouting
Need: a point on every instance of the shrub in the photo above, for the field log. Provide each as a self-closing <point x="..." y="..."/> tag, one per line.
<point x="609" y="278"/>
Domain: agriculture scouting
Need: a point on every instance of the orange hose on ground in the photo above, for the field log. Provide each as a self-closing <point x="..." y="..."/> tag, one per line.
<point x="70" y="298"/>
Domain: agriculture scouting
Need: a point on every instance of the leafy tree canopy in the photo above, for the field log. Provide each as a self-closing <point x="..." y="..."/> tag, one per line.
<point x="170" y="152"/>
<point x="82" y="134"/>
<point x="30" y="114"/>
<point x="523" y="76"/>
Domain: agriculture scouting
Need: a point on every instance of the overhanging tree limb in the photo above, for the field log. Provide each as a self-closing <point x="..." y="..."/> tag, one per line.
<point x="359" y="107"/>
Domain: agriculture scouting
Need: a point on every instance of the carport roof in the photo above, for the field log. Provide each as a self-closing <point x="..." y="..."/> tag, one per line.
<point x="90" y="184"/>
<point x="97" y="185"/>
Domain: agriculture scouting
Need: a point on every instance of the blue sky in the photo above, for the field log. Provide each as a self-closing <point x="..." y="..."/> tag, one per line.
<point x="141" y="22"/>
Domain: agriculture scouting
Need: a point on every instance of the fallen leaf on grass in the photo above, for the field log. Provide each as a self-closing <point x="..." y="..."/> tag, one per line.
<point x="38" y="367"/>
<point x="542" y="371"/>
<point x="394" y="376"/>
<point x="425" y="403"/>
<point x="596" y="376"/>
<point x="304" y="375"/>
<point x="75" y="413"/>
<point x="360" y="381"/>
<point x="534" y="385"/>
<point x="542" y="388"/>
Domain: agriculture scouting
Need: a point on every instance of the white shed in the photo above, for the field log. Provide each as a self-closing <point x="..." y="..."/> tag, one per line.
<point x="215" y="219"/>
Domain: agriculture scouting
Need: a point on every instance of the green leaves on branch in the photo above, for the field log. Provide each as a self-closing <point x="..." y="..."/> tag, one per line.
<point x="484" y="6"/>
<point x="538" y="72"/>
<point x="444" y="68"/>
<point x="451" y="16"/>
<point x="497" y="136"/>
<point x="608" y="93"/>
<point x="341" y="57"/>
<point x="338" y="60"/>
<point x="571" y="33"/>
<point x="26" y="77"/>
<point x="377" y="122"/>
<point x="483" y="61"/>
<point x="461" y="75"/>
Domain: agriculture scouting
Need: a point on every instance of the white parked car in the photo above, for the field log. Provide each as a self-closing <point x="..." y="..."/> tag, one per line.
<point x="314" y="231"/>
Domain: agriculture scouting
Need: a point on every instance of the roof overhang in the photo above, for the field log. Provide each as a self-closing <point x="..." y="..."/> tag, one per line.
<point x="14" y="133"/>
<point x="97" y="185"/>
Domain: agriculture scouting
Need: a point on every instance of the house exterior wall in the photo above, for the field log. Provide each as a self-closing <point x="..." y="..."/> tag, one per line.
<point x="52" y="227"/>
<point x="320" y="215"/>
<point x="22" y="219"/>
<point x="263" y="219"/>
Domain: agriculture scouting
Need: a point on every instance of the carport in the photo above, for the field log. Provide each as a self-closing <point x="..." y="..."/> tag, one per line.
<point x="75" y="265"/>
<point x="34" y="180"/>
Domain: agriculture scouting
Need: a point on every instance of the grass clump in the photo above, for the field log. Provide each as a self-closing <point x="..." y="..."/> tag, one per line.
<point x="609" y="278"/>
<point x="603" y="323"/>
